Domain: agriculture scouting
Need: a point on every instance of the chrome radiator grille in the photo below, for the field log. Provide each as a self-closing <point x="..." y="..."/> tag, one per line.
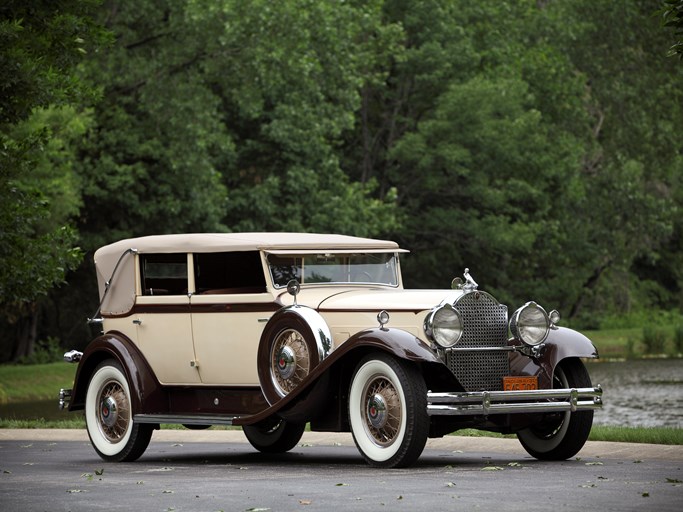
<point x="484" y="325"/>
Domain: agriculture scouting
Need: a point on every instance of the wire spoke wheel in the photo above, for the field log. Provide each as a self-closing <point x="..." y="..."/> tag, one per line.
<point x="109" y="416"/>
<point x="290" y="361"/>
<point x="382" y="412"/>
<point x="114" y="412"/>
<point x="388" y="411"/>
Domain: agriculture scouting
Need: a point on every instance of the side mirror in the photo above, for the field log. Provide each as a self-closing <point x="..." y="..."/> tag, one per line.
<point x="293" y="288"/>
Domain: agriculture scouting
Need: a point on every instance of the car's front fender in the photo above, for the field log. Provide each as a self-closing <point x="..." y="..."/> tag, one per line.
<point x="394" y="341"/>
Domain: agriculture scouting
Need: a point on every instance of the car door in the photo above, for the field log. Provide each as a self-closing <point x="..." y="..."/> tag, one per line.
<point x="229" y="311"/>
<point x="163" y="319"/>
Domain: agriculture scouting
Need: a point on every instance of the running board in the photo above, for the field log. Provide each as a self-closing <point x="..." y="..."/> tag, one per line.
<point x="208" y="419"/>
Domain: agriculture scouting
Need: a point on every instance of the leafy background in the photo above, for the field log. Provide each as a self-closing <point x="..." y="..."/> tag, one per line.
<point x="536" y="142"/>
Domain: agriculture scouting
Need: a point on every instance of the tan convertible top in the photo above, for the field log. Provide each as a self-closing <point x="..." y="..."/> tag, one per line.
<point x="121" y="295"/>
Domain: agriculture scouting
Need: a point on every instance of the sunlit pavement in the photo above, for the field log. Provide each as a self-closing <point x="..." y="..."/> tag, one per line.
<point x="447" y="443"/>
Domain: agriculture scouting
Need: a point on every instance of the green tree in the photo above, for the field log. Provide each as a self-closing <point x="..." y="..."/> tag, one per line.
<point x="672" y="16"/>
<point x="40" y="45"/>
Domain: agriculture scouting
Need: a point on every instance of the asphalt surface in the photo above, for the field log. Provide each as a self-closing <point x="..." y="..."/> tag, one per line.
<point x="218" y="470"/>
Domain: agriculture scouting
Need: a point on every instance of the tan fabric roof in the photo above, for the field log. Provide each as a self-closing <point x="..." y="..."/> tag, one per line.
<point x="121" y="295"/>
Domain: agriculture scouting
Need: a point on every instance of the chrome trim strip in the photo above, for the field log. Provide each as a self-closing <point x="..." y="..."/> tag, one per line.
<point x="511" y="402"/>
<point x="207" y="419"/>
<point x="483" y="349"/>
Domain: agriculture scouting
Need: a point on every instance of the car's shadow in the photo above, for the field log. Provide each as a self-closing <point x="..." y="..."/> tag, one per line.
<point x="320" y="457"/>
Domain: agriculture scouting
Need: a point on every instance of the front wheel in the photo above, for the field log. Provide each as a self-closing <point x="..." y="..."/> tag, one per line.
<point x="561" y="435"/>
<point x="388" y="411"/>
<point x="109" y="416"/>
<point x="276" y="437"/>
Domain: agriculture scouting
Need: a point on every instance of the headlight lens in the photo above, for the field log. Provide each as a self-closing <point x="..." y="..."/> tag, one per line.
<point x="530" y="324"/>
<point x="443" y="325"/>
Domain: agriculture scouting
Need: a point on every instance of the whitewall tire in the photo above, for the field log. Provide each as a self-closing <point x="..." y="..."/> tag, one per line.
<point x="109" y="416"/>
<point x="388" y="411"/>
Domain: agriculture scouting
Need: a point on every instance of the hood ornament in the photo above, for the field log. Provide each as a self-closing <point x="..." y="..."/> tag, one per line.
<point x="469" y="285"/>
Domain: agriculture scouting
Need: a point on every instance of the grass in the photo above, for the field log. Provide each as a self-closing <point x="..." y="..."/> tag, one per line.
<point x="41" y="382"/>
<point x="658" y="435"/>
<point x="636" y="342"/>
<point x="25" y="383"/>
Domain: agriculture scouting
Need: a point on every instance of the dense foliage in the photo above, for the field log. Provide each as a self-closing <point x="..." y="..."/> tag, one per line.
<point x="536" y="142"/>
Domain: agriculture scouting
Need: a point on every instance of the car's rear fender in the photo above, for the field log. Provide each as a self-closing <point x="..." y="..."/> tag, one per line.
<point x="147" y="395"/>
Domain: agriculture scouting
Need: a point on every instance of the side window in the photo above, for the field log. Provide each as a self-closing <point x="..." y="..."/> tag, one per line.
<point x="229" y="273"/>
<point x="163" y="274"/>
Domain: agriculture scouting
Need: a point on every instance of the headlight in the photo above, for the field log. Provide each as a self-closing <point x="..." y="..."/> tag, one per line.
<point x="530" y="323"/>
<point x="444" y="325"/>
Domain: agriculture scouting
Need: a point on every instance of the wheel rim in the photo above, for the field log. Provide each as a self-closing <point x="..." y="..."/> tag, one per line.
<point x="290" y="361"/>
<point x="381" y="411"/>
<point x="113" y="412"/>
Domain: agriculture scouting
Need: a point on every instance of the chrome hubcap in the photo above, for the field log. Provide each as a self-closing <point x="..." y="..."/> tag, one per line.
<point x="377" y="411"/>
<point x="286" y="362"/>
<point x="109" y="412"/>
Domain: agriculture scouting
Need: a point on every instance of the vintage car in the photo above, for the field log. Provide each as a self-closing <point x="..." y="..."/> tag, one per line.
<point x="274" y="331"/>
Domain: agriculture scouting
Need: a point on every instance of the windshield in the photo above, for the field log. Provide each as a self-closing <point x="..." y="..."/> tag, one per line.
<point x="366" y="268"/>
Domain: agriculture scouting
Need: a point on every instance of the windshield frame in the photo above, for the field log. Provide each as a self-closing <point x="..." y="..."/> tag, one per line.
<point x="317" y="268"/>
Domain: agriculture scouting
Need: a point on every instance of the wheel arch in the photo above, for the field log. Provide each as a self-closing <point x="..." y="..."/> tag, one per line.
<point x="563" y="343"/>
<point x="146" y="392"/>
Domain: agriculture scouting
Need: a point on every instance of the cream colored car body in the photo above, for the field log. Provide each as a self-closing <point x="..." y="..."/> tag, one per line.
<point x="220" y="349"/>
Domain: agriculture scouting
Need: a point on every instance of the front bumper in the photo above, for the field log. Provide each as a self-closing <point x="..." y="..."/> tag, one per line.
<point x="511" y="402"/>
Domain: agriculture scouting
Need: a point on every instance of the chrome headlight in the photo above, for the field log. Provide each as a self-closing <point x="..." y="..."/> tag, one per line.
<point x="443" y="325"/>
<point x="530" y="323"/>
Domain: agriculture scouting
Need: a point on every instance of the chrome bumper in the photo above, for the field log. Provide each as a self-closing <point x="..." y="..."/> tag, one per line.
<point x="64" y="398"/>
<point x="512" y="402"/>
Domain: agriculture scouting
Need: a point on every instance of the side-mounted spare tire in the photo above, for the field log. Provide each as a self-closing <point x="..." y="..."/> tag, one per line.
<point x="293" y="343"/>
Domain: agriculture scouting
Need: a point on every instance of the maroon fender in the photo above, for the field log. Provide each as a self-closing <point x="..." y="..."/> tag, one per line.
<point x="563" y="343"/>
<point x="147" y="395"/>
<point x="395" y="341"/>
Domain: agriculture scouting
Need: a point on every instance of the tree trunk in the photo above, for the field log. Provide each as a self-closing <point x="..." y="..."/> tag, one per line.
<point x="27" y="331"/>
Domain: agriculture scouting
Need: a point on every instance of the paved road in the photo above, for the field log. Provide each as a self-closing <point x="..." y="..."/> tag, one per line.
<point x="218" y="470"/>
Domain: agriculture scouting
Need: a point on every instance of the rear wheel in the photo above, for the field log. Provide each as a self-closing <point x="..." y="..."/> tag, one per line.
<point x="561" y="435"/>
<point x="388" y="411"/>
<point x="276" y="437"/>
<point x="109" y="416"/>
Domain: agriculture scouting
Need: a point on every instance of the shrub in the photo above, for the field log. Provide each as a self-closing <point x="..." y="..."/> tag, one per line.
<point x="678" y="339"/>
<point x="46" y="351"/>
<point x="654" y="339"/>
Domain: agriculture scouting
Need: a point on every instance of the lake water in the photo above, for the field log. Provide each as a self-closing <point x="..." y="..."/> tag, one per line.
<point x="643" y="393"/>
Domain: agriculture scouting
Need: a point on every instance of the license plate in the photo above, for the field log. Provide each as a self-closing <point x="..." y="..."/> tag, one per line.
<point x="520" y="383"/>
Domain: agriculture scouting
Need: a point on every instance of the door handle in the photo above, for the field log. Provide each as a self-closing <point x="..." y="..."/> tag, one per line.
<point x="137" y="322"/>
